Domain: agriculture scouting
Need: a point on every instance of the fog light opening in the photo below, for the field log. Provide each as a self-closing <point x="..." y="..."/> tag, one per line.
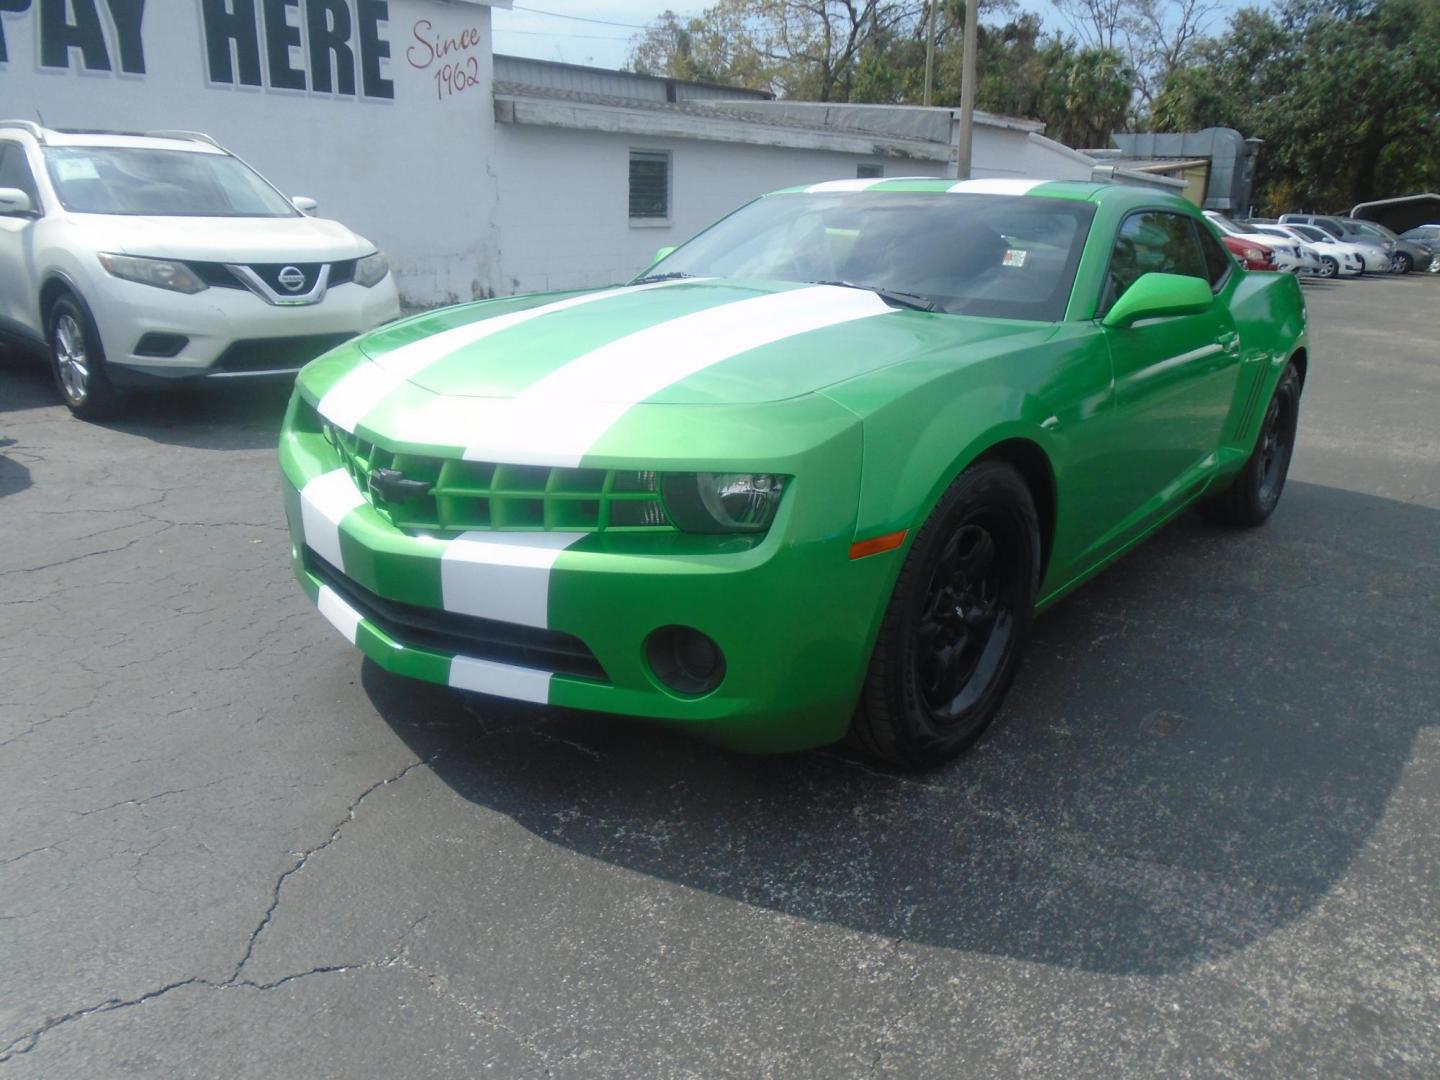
<point x="685" y="660"/>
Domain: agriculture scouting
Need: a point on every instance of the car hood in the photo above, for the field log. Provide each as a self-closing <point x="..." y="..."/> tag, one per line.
<point x="259" y="240"/>
<point x="692" y="342"/>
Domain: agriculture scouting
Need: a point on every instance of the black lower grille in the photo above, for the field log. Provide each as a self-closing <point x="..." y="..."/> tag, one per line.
<point x="277" y="354"/>
<point x="466" y="635"/>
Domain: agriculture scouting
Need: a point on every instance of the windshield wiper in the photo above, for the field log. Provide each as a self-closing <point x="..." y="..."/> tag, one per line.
<point x="673" y="275"/>
<point x="890" y="296"/>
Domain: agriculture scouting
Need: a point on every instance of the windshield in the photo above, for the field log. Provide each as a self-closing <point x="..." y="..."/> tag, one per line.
<point x="1376" y="230"/>
<point x="162" y="183"/>
<point x="1003" y="256"/>
<point x="1310" y="232"/>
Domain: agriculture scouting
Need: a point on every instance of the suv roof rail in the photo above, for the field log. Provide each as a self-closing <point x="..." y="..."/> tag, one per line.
<point x="175" y="133"/>
<point x="27" y="126"/>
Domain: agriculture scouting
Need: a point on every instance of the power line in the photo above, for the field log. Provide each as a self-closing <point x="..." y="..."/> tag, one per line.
<point x="578" y="18"/>
<point x="553" y="34"/>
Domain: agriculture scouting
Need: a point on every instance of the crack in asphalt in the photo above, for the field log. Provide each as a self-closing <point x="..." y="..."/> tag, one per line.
<point x="25" y="1043"/>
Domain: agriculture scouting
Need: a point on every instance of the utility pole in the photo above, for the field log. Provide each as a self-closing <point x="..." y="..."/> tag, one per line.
<point x="967" y="91"/>
<point x="929" y="51"/>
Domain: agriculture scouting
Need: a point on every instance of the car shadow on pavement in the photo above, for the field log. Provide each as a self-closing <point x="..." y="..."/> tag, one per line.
<point x="14" y="476"/>
<point x="1200" y="743"/>
<point x="236" y="416"/>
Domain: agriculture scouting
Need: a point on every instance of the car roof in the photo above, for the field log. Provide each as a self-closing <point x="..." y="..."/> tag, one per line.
<point x="1124" y="195"/>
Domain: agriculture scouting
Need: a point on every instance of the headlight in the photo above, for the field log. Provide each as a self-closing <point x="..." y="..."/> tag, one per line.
<point x="371" y="270"/>
<point x="723" y="502"/>
<point x="162" y="273"/>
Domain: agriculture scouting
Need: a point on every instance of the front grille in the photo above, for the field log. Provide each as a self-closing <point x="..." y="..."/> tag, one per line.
<point x="216" y="275"/>
<point x="219" y="276"/>
<point x="464" y="495"/>
<point x="464" y="635"/>
<point x="276" y="354"/>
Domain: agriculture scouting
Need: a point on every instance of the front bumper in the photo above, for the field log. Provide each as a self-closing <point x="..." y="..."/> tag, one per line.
<point x="794" y="616"/>
<point x="228" y="334"/>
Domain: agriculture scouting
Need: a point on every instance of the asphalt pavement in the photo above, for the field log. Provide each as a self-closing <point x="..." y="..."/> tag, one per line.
<point x="1201" y="841"/>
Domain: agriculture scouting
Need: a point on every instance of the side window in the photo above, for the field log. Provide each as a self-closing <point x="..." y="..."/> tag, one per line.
<point x="1153" y="241"/>
<point x="1217" y="259"/>
<point x="15" y="172"/>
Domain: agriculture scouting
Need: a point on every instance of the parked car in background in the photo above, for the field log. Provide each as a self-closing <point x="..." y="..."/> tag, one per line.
<point x="1311" y="260"/>
<point x="1406" y="254"/>
<point x="1427" y="235"/>
<point x="1348" y="259"/>
<point x="812" y="472"/>
<point x="1379" y="255"/>
<point x="1284" y="252"/>
<point x="146" y="260"/>
<point x="1252" y="254"/>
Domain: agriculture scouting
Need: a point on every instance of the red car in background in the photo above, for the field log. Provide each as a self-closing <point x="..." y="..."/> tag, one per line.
<point x="1252" y="256"/>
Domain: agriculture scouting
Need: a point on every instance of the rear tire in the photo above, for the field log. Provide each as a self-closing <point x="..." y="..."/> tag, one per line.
<point x="1255" y="492"/>
<point x="77" y="360"/>
<point x="956" y="624"/>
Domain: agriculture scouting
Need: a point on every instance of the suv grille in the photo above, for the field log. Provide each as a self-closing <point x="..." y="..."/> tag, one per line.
<point x="466" y="635"/>
<point x="276" y="354"/>
<point x="465" y="495"/>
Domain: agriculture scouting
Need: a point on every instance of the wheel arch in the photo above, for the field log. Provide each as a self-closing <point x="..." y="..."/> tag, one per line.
<point x="1029" y="459"/>
<point x="55" y="285"/>
<point x="1301" y="359"/>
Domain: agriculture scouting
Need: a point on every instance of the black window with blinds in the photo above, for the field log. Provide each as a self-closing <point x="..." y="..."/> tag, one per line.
<point x="649" y="184"/>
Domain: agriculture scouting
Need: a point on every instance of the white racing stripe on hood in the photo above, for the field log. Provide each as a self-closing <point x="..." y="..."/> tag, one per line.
<point x="361" y="389"/>
<point x="324" y="502"/>
<point x="995" y="187"/>
<point x="558" y="419"/>
<point x="845" y="185"/>
<point x="498" y="575"/>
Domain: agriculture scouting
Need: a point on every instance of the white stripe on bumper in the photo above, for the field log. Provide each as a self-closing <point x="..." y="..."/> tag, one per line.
<point x="560" y="418"/>
<point x="324" y="502"/>
<point x="505" y="576"/>
<point x="488" y="677"/>
<point x="341" y="615"/>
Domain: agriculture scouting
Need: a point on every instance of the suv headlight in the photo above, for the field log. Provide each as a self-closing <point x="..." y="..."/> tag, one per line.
<point x="162" y="273"/>
<point x="723" y="502"/>
<point x="371" y="270"/>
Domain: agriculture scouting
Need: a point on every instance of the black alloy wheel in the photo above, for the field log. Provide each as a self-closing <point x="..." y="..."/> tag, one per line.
<point x="957" y="621"/>
<point x="1253" y="495"/>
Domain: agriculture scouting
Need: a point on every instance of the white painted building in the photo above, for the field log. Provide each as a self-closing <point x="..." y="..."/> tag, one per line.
<point x="478" y="175"/>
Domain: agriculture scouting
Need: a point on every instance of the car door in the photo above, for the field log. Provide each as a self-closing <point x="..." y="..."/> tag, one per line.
<point x="16" y="238"/>
<point x="1175" y="376"/>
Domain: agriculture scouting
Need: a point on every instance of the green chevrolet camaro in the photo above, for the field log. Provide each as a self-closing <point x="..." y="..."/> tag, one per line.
<point x="812" y="474"/>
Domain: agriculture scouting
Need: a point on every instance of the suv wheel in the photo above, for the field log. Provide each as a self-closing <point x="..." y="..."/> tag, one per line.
<point x="78" y="361"/>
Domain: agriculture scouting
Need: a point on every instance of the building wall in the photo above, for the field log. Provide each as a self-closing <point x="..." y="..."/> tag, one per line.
<point x="403" y="157"/>
<point x="563" y="209"/>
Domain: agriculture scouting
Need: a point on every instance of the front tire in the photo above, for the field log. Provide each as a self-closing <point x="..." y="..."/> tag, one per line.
<point x="1403" y="263"/>
<point x="952" y="636"/>
<point x="77" y="360"/>
<point x="1255" y="492"/>
<point x="1329" y="267"/>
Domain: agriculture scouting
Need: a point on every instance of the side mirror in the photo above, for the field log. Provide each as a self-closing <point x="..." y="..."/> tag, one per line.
<point x="305" y="204"/>
<point x="662" y="253"/>
<point x="1155" y="296"/>
<point x="15" y="203"/>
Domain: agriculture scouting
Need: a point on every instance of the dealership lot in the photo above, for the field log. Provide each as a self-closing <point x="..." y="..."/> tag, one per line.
<point x="1200" y="841"/>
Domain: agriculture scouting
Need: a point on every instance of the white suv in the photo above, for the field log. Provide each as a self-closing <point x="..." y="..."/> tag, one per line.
<point x="135" y="260"/>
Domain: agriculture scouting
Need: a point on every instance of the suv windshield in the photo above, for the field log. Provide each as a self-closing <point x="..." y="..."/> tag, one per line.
<point x="162" y="183"/>
<point x="1003" y="256"/>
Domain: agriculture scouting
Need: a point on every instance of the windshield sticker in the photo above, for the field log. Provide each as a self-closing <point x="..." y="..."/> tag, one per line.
<point x="1014" y="257"/>
<point x="75" y="168"/>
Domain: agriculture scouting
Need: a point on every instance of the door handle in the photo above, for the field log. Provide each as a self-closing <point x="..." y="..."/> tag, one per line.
<point x="1229" y="340"/>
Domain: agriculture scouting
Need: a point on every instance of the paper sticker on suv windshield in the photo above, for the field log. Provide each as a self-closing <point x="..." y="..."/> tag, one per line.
<point x="73" y="168"/>
<point x="1014" y="257"/>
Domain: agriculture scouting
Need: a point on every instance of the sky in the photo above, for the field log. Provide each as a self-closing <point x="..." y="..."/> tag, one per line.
<point x="599" y="34"/>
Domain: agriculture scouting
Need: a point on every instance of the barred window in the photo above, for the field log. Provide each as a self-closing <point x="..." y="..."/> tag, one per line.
<point x="649" y="184"/>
